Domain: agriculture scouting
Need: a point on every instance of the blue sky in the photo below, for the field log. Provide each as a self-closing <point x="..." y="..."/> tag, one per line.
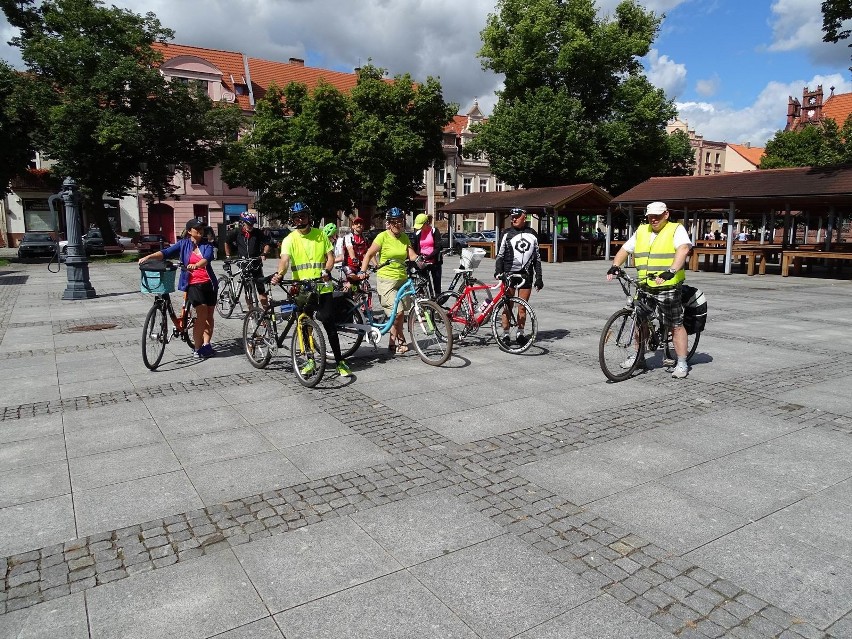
<point x="729" y="64"/>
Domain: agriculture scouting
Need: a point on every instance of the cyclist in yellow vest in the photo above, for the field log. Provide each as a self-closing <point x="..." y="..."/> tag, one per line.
<point x="660" y="247"/>
<point x="309" y="254"/>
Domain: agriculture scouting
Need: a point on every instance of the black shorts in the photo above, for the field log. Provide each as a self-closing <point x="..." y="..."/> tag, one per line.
<point x="201" y="294"/>
<point x="528" y="280"/>
<point x="256" y="276"/>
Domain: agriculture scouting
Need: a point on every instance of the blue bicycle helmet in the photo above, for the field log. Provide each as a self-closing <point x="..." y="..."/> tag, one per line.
<point x="248" y="217"/>
<point x="300" y="209"/>
<point x="395" y="215"/>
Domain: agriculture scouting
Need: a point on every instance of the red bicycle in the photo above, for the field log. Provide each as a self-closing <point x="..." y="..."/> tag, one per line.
<point x="467" y="312"/>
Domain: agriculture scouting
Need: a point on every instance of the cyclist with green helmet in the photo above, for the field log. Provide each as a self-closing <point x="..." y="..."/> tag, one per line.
<point x="392" y="244"/>
<point x="331" y="232"/>
<point x="308" y="253"/>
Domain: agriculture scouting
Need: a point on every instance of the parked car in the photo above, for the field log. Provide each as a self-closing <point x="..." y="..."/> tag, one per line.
<point x="147" y="244"/>
<point x="36" y="245"/>
<point x="278" y="235"/>
<point x="482" y="236"/>
<point x="94" y="244"/>
<point x="125" y="242"/>
<point x="459" y="241"/>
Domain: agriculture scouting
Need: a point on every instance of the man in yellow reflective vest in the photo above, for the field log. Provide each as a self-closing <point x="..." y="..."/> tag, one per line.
<point x="660" y="247"/>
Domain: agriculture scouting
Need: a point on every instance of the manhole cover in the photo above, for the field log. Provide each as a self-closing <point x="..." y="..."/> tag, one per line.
<point x="91" y="327"/>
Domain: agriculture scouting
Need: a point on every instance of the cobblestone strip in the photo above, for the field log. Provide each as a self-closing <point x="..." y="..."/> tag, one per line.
<point x="677" y="595"/>
<point x="54" y="571"/>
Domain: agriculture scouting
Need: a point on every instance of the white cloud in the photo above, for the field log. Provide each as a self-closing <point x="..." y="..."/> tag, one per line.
<point x="758" y="122"/>
<point x="708" y="87"/>
<point x="797" y="26"/>
<point x="665" y="73"/>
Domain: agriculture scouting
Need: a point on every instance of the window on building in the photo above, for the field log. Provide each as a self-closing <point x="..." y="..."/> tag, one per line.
<point x="500" y="185"/>
<point x="39" y="217"/>
<point x="232" y="212"/>
<point x="467" y="185"/>
<point x="718" y="155"/>
<point x="707" y="157"/>
<point x="196" y="174"/>
<point x="201" y="212"/>
<point x="483" y="185"/>
<point x="193" y="83"/>
<point x="240" y="89"/>
<point x="441" y="177"/>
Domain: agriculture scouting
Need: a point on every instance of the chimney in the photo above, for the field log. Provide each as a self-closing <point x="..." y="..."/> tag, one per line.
<point x="299" y="62"/>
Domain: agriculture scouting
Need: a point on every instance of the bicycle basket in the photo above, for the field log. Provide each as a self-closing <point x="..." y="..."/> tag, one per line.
<point x="471" y="257"/>
<point x="157" y="277"/>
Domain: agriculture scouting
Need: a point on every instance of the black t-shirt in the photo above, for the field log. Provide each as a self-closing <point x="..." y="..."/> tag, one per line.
<point x="247" y="247"/>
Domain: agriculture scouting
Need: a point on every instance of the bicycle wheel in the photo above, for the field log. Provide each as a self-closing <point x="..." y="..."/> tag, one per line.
<point x="431" y="332"/>
<point x="225" y="301"/>
<point x="307" y="351"/>
<point x="154" y="336"/>
<point x="259" y="338"/>
<point x="458" y="318"/>
<point x="186" y="334"/>
<point x="691" y="346"/>
<point x="350" y="338"/>
<point x="519" y="342"/>
<point x="619" y="349"/>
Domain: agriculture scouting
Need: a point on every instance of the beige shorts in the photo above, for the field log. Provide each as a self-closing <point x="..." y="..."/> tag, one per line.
<point x="387" y="294"/>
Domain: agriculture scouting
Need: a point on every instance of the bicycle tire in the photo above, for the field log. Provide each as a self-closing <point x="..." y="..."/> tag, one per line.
<point x="186" y="333"/>
<point x="350" y="338"/>
<point x="308" y="344"/>
<point x="530" y="324"/>
<point x="458" y="320"/>
<point x="619" y="339"/>
<point x="691" y="346"/>
<point x="225" y="302"/>
<point x="154" y="337"/>
<point x="432" y="344"/>
<point x="258" y="338"/>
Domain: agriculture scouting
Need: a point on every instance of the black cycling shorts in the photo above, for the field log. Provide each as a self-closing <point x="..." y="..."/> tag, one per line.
<point x="201" y="294"/>
<point x="256" y="276"/>
<point x="528" y="280"/>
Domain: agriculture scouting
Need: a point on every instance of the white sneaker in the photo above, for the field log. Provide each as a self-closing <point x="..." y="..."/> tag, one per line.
<point x="680" y="372"/>
<point x="628" y="363"/>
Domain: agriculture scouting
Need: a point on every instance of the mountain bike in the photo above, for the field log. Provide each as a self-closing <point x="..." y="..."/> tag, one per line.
<point x="266" y="330"/>
<point x="232" y="286"/>
<point x="468" y="314"/>
<point x="159" y="280"/>
<point x="429" y="328"/>
<point x="635" y="329"/>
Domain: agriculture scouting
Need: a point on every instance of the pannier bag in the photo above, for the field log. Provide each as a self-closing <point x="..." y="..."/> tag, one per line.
<point x="158" y="277"/>
<point x="694" y="309"/>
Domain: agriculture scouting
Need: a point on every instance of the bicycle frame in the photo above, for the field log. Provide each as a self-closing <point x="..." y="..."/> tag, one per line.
<point x="466" y="310"/>
<point x="647" y="315"/>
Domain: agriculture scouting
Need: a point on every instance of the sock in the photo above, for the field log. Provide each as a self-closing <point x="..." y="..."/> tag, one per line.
<point x="681" y="362"/>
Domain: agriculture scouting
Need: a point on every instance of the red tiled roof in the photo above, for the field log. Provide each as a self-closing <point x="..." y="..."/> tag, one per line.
<point x="457" y="125"/>
<point x="230" y="63"/>
<point x="572" y="196"/>
<point x="837" y="107"/>
<point x="265" y="72"/>
<point x="751" y="153"/>
<point x="750" y="191"/>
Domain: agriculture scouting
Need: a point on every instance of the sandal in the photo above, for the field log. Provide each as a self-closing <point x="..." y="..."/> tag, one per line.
<point x="401" y="348"/>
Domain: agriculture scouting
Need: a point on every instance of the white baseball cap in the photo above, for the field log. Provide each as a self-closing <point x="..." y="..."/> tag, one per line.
<point x="656" y="208"/>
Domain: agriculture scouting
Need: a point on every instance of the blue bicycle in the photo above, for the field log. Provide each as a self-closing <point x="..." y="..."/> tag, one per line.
<point x="429" y="328"/>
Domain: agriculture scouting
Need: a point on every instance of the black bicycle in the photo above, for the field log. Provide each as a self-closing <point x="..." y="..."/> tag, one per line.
<point x="635" y="329"/>
<point x="233" y="285"/>
<point x="159" y="280"/>
<point x="266" y="330"/>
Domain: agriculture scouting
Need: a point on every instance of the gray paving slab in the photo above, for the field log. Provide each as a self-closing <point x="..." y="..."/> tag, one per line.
<point x="261" y="629"/>
<point x="667" y="517"/>
<point x="393" y="607"/>
<point x="36" y="524"/>
<point x="841" y="491"/>
<point x="313" y="562"/>
<point x="798" y="578"/>
<point x="426" y="527"/>
<point x="105" y="436"/>
<point x="289" y="430"/>
<point x="118" y="505"/>
<point x="30" y="428"/>
<point x="833" y="534"/>
<point x="603" y="617"/>
<point x="830" y="395"/>
<point x="335" y="455"/>
<point x="219" y="445"/>
<point x="64" y="617"/>
<point x="502" y="587"/>
<point x="126" y="464"/>
<point x="32" y="483"/>
<point x="222" y="481"/>
<point x="31" y="452"/>
<point x="189" y="600"/>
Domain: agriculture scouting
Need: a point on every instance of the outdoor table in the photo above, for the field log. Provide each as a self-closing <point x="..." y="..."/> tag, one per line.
<point x="797" y="256"/>
<point x="748" y="257"/>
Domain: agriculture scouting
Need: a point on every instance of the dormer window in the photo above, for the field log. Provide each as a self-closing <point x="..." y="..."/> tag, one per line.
<point x="193" y="83"/>
<point x="240" y="89"/>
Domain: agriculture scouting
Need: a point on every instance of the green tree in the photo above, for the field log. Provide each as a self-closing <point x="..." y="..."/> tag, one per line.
<point x="295" y="150"/>
<point x="681" y="155"/>
<point x="105" y="113"/>
<point x="17" y="122"/>
<point x="576" y="106"/>
<point x="834" y="14"/>
<point x="793" y="148"/>
<point x="331" y="150"/>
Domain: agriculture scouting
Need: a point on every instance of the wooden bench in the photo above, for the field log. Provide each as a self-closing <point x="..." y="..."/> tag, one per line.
<point x="748" y="257"/>
<point x="488" y="246"/>
<point x="582" y="250"/>
<point x="797" y="257"/>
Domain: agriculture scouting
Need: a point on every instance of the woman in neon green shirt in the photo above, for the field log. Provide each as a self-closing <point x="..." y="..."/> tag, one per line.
<point x="392" y="244"/>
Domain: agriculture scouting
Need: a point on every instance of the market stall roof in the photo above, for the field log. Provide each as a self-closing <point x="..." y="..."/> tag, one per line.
<point x="558" y="199"/>
<point x="809" y="189"/>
